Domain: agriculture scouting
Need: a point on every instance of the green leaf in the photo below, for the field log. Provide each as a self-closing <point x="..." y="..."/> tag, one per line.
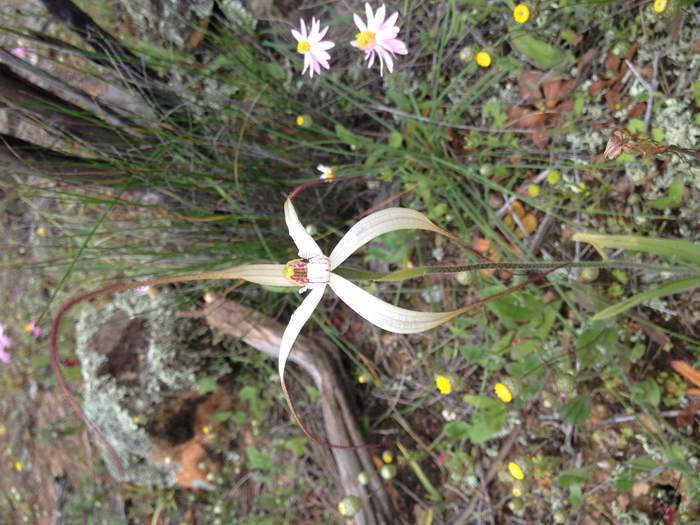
<point x="258" y="460"/>
<point x="574" y="476"/>
<point x="248" y="393"/>
<point x="513" y="308"/>
<point x="577" y="410"/>
<point x="347" y="136"/>
<point x="456" y="429"/>
<point x="647" y="391"/>
<point x="680" y="250"/>
<point x="73" y="372"/>
<point x="207" y="384"/>
<point x="224" y="415"/>
<point x="485" y="424"/>
<point x="636" y="125"/>
<point x="540" y="51"/>
<point x="673" y="287"/>
<point x="395" y="140"/>
<point x="674" y="197"/>
<point x="596" y="343"/>
<point x="487" y="421"/>
<point x="40" y="361"/>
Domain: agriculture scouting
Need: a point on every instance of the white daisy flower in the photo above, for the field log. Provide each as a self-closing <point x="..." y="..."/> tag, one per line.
<point x="378" y="38"/>
<point x="313" y="47"/>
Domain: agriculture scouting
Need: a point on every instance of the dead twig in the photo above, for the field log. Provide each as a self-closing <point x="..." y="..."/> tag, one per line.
<point x="265" y="334"/>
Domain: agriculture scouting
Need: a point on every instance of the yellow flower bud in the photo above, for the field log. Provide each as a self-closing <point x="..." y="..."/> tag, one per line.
<point x="443" y="384"/>
<point x="483" y="58"/>
<point x="521" y="13"/>
<point x="503" y="392"/>
<point x="515" y="470"/>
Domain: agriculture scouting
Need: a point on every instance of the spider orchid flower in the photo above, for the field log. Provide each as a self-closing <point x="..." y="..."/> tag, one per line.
<point x="314" y="273"/>
<point x="377" y="37"/>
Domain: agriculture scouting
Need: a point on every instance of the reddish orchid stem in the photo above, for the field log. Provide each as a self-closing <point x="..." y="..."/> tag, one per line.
<point x="56" y="361"/>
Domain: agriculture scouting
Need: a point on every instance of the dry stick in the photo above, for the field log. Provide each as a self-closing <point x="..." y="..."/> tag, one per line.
<point x="493" y="470"/>
<point x="265" y="334"/>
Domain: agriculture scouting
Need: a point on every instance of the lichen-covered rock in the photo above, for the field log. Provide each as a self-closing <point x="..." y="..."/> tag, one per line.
<point x="140" y="364"/>
<point x="172" y="20"/>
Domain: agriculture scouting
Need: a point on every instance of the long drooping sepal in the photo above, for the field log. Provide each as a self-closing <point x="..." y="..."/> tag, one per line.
<point x="291" y="332"/>
<point x="296" y="322"/>
<point x="386" y="315"/>
<point x="306" y="245"/>
<point x="379" y="223"/>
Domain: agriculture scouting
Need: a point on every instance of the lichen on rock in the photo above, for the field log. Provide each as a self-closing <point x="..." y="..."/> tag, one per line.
<point x="140" y="363"/>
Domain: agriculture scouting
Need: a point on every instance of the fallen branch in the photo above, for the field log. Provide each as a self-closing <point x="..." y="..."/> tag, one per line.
<point x="265" y="334"/>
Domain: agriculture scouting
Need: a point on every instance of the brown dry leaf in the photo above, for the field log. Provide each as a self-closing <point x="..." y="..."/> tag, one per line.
<point x="529" y="84"/>
<point x="541" y="90"/>
<point x="189" y="457"/>
<point x="687" y="371"/>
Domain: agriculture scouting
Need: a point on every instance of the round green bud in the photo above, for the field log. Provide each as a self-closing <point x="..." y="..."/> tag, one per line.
<point x="349" y="506"/>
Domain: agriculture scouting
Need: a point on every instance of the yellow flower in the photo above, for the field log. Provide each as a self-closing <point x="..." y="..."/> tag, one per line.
<point x="660" y="6"/>
<point x="515" y="470"/>
<point x="553" y="177"/>
<point x="41" y="231"/>
<point x="206" y="429"/>
<point x="533" y="190"/>
<point x="19" y="467"/>
<point x="521" y="13"/>
<point x="503" y="392"/>
<point x="387" y="456"/>
<point x="300" y="120"/>
<point x="362" y="379"/>
<point x="443" y="384"/>
<point x="483" y="58"/>
<point x="304" y="121"/>
<point x="517" y="492"/>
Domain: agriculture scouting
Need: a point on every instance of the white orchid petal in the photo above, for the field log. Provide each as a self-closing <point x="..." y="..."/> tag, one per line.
<point x="303" y="241"/>
<point x="296" y="323"/>
<point x="385" y="315"/>
<point x="265" y="274"/>
<point x="379" y="223"/>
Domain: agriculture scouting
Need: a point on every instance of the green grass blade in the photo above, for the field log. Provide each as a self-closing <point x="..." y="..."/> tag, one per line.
<point x="672" y="248"/>
<point x="673" y="287"/>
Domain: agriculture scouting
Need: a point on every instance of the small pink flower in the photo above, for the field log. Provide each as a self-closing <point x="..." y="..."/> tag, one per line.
<point x="20" y="52"/>
<point x="313" y="47"/>
<point x="378" y="37"/>
<point x="33" y="328"/>
<point x="5" y="342"/>
<point x="25" y="54"/>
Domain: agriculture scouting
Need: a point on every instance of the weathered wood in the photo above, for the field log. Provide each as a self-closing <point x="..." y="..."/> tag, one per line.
<point x="265" y="334"/>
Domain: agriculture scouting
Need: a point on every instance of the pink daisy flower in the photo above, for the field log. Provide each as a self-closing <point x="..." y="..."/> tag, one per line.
<point x="5" y="342"/>
<point x="378" y="38"/>
<point x="313" y="47"/>
<point x="33" y="328"/>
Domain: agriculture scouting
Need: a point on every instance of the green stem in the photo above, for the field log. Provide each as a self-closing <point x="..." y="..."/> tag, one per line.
<point x="421" y="271"/>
